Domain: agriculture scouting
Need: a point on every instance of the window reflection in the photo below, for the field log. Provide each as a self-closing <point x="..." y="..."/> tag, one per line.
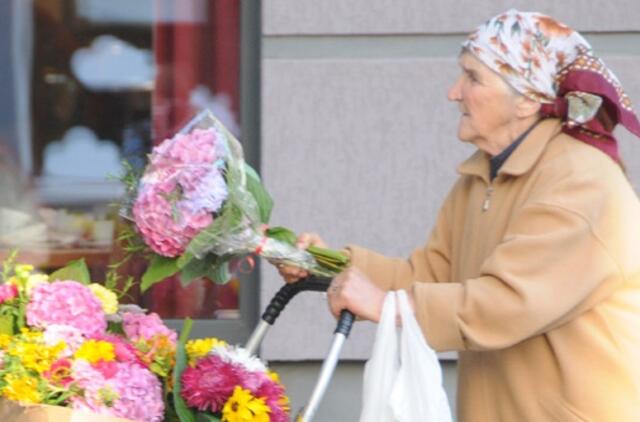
<point x="108" y="81"/>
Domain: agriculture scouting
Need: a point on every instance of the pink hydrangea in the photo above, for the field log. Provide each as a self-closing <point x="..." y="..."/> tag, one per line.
<point x="66" y="303"/>
<point x="131" y="391"/>
<point x="181" y="189"/>
<point x="200" y="146"/>
<point x="167" y="228"/>
<point x="137" y="326"/>
<point x="7" y="292"/>
<point x="208" y="385"/>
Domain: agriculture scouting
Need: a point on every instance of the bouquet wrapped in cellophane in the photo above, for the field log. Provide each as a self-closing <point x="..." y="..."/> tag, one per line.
<point x="199" y="208"/>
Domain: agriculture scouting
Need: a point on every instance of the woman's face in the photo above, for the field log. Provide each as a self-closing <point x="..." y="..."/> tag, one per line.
<point x="486" y="102"/>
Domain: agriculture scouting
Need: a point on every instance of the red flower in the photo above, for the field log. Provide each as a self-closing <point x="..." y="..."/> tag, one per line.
<point x="209" y="384"/>
<point x="274" y="395"/>
<point x="60" y="373"/>
<point x="8" y="292"/>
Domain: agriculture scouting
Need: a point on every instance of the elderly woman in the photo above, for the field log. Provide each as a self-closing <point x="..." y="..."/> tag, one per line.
<point x="532" y="272"/>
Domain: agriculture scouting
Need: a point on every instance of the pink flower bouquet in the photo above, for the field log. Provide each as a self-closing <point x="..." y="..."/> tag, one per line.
<point x="198" y="207"/>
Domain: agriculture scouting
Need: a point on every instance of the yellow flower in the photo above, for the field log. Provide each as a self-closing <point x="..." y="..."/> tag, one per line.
<point x="36" y="356"/>
<point x="29" y="335"/>
<point x="24" y="279"/>
<point x="33" y="280"/>
<point x="274" y="376"/>
<point x="107" y="298"/>
<point x="201" y="347"/>
<point x="24" y="389"/>
<point x="23" y="270"/>
<point x="5" y="340"/>
<point x="242" y="406"/>
<point x="96" y="350"/>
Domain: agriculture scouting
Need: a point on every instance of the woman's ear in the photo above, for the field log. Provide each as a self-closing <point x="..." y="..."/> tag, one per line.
<point x="526" y="107"/>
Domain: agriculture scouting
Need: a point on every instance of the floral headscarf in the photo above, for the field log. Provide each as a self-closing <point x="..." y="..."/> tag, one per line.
<point x="554" y="65"/>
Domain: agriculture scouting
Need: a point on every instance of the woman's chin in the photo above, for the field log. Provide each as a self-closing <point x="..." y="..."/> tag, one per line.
<point x="464" y="135"/>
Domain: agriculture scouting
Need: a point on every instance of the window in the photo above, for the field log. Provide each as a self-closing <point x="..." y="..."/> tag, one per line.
<point x="92" y="83"/>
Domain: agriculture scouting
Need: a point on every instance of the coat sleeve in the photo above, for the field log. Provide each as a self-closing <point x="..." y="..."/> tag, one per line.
<point x="549" y="268"/>
<point x="430" y="263"/>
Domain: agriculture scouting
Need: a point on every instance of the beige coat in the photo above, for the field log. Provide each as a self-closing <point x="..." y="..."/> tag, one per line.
<point x="540" y="293"/>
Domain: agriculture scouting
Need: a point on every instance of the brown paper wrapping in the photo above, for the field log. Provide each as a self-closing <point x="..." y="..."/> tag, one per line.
<point x="19" y="412"/>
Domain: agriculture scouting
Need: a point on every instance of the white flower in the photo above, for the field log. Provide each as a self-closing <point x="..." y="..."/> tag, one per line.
<point x="71" y="336"/>
<point x="236" y="354"/>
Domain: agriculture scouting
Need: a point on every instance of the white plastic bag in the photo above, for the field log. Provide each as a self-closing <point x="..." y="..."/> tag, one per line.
<point x="382" y="368"/>
<point x="403" y="378"/>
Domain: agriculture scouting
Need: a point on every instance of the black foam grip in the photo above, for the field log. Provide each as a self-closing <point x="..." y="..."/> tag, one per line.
<point x="288" y="291"/>
<point x="345" y="323"/>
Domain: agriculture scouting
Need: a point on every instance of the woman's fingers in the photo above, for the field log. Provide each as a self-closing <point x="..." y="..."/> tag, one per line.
<point x="291" y="274"/>
<point x="310" y="239"/>
<point x="352" y="290"/>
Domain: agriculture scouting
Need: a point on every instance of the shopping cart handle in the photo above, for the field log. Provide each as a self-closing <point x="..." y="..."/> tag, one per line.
<point x="289" y="291"/>
<point x="277" y="304"/>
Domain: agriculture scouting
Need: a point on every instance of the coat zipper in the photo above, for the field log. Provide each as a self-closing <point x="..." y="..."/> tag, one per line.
<point x="487" y="199"/>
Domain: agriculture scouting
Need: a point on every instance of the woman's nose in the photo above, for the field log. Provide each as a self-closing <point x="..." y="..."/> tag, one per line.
<point x="454" y="93"/>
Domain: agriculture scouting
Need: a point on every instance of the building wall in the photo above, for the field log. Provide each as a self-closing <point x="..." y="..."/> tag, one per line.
<point x="358" y="140"/>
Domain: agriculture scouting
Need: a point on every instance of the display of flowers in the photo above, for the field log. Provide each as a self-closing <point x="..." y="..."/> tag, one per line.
<point x="199" y="208"/>
<point x="227" y="383"/>
<point x="61" y="343"/>
<point x="65" y="341"/>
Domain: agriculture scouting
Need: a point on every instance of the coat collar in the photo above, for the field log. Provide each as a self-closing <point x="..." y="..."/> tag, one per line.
<point x="521" y="160"/>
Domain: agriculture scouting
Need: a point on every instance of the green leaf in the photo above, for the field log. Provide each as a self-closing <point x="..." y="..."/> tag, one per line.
<point x="220" y="273"/>
<point x="115" y="328"/>
<point x="206" y="417"/>
<point x="156" y="368"/>
<point x="169" y="412"/>
<point x="7" y="322"/>
<point x="229" y="220"/>
<point x="196" y="268"/>
<point x="184" y="413"/>
<point x="259" y="193"/>
<point x="160" y="268"/>
<point x="330" y="255"/>
<point x="8" y="265"/>
<point x="282" y="234"/>
<point x="74" y="270"/>
<point x="185" y="259"/>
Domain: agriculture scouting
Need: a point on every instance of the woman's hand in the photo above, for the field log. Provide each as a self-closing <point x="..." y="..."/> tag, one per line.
<point x="292" y="274"/>
<point x="352" y="290"/>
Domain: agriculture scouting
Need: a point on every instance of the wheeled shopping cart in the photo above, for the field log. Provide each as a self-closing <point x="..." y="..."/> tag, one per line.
<point x="271" y="313"/>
